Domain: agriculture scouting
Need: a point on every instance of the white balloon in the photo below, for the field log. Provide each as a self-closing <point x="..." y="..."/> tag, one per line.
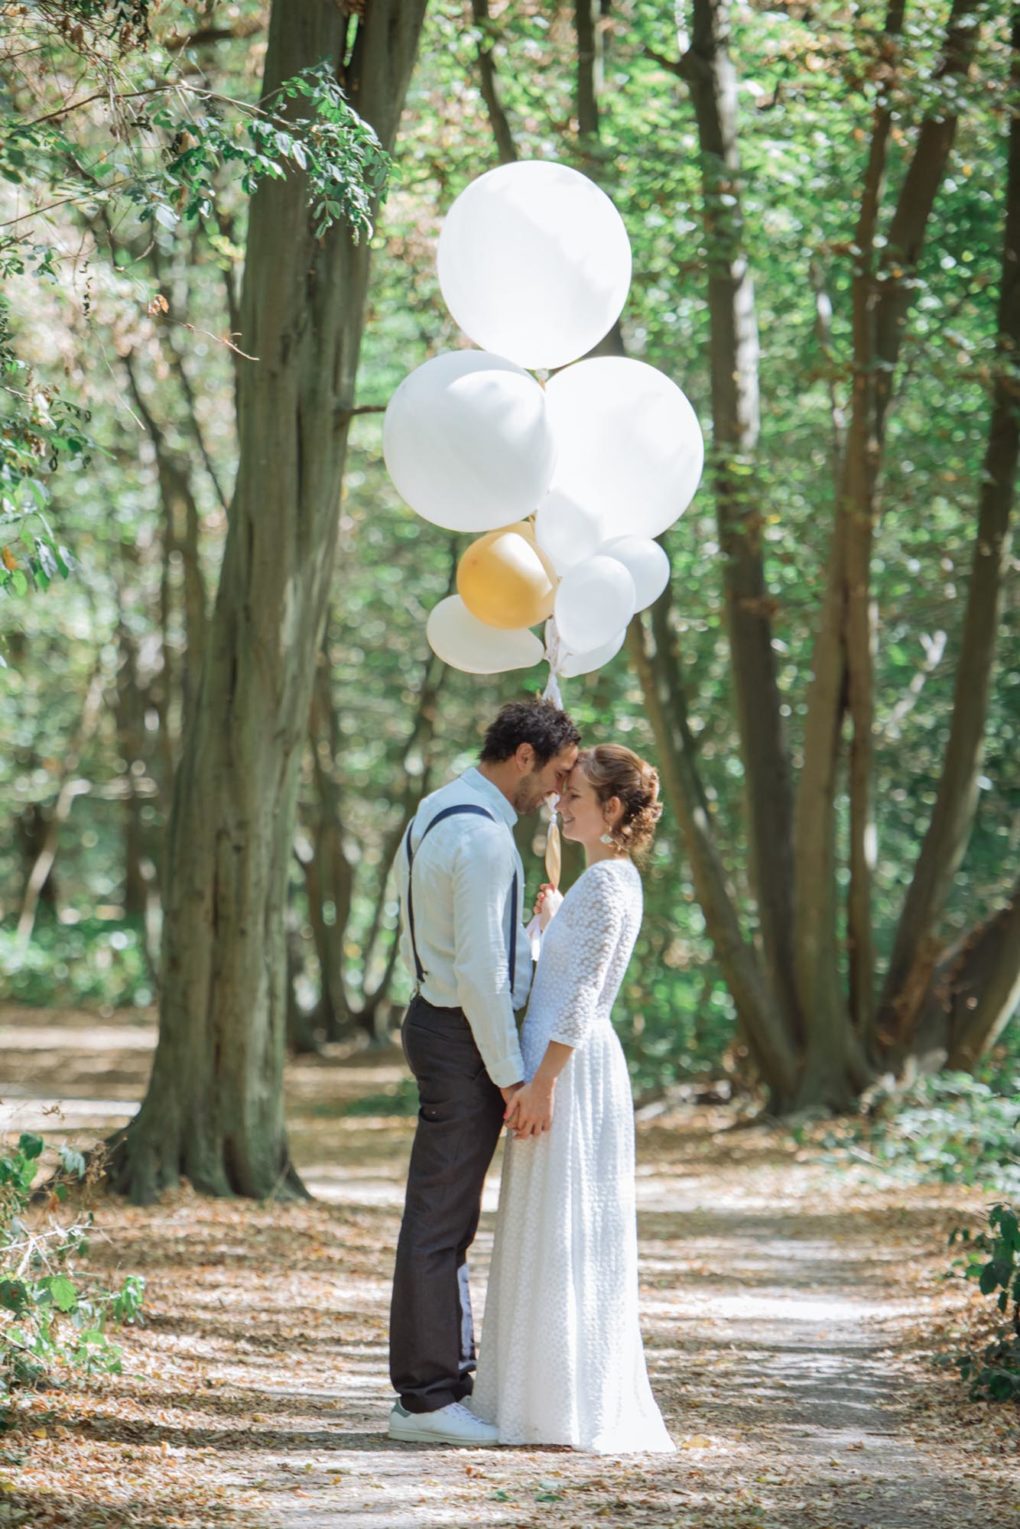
<point x="467" y="441"/>
<point x="573" y="664"/>
<point x="460" y="639"/>
<point x="646" y="562"/>
<point x="594" y="600"/>
<point x="567" y="532"/>
<point x="628" y="444"/>
<point x="534" y="262"/>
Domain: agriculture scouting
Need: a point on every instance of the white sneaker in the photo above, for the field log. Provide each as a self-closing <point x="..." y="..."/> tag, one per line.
<point x="448" y="1425"/>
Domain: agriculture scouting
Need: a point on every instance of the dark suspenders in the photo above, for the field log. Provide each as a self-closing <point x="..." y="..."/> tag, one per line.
<point x="449" y="812"/>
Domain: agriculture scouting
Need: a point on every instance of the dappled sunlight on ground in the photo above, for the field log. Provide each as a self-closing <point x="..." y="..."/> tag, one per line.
<point x="787" y="1304"/>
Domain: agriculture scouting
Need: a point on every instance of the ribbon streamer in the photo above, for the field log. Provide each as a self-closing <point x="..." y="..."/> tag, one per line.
<point x="553" y="849"/>
<point x="552" y="652"/>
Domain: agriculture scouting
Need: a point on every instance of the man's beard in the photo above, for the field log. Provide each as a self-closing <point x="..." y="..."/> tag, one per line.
<point x="528" y="797"/>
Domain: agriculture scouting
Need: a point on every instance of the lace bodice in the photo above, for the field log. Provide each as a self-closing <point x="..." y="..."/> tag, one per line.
<point x="585" y="952"/>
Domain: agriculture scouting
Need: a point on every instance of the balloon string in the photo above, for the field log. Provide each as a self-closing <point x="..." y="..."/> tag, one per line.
<point x="552" y="690"/>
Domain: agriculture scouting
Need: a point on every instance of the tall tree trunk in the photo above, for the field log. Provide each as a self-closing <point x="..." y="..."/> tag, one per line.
<point x="329" y="875"/>
<point x="498" y="120"/>
<point x="131" y="746"/>
<point x="214" y="1107"/>
<point x="817" y="949"/>
<point x="985" y="986"/>
<point x="709" y="71"/>
<point x="181" y="536"/>
<point x="589" y="68"/>
<point x="972" y="994"/>
<point x="886" y="304"/>
<point x="843" y="659"/>
<point x="916" y="946"/>
<point x="41" y="873"/>
<point x="761" y="1023"/>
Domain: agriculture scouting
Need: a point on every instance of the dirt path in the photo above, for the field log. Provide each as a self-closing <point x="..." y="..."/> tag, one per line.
<point x="788" y="1306"/>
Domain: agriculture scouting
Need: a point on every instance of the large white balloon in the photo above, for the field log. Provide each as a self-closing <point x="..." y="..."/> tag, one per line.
<point x="566" y="532"/>
<point x="573" y="664"/>
<point x="467" y="441"/>
<point x="646" y="562"/>
<point x="628" y="444"/>
<point x="594" y="601"/>
<point x="460" y="639"/>
<point x="534" y="263"/>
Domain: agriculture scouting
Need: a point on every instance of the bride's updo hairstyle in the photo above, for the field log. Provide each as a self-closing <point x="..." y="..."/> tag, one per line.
<point x="617" y="771"/>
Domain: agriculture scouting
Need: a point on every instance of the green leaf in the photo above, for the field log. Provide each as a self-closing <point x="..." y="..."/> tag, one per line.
<point x="1009" y="1228"/>
<point x="989" y="1278"/>
<point x="72" y="1162"/>
<point x="29" y="1145"/>
<point x="62" y="1292"/>
<point x="13" y="1295"/>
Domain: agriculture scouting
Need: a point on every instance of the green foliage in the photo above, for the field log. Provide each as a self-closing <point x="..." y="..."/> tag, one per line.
<point x="178" y="148"/>
<point x="50" y="1313"/>
<point x="38" y="430"/>
<point x="952" y="1129"/>
<point x="401" y="1099"/>
<point x="807" y="86"/>
<point x="94" y="961"/>
<point x="340" y="155"/>
<point x="993" y="1261"/>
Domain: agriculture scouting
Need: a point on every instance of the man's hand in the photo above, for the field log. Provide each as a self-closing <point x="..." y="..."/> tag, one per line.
<point x="531" y="1112"/>
<point x="510" y="1090"/>
<point x="547" y="904"/>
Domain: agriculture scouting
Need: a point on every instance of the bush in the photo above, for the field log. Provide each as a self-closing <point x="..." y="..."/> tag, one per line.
<point x="994" y="1261"/>
<point x="49" y="1314"/>
<point x="95" y="961"/>
<point x="950" y="1128"/>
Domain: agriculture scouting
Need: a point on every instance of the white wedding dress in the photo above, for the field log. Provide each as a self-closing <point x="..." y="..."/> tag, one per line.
<point x="561" y="1359"/>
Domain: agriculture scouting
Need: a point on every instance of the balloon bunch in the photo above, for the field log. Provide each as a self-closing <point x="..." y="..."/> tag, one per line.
<point x="571" y="480"/>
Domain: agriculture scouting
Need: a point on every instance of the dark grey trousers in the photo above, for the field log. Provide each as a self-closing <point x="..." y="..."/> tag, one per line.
<point x="432" y="1344"/>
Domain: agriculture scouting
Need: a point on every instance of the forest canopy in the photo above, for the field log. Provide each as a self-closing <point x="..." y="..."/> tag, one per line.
<point x="822" y="204"/>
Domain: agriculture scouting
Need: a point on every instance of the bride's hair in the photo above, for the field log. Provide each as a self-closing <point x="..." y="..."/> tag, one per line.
<point x="617" y="771"/>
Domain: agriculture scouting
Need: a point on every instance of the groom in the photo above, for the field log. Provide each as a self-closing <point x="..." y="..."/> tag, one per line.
<point x="462" y="900"/>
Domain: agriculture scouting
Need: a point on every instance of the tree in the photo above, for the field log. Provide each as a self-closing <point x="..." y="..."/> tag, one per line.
<point x="214" y="1107"/>
<point x="814" y="1041"/>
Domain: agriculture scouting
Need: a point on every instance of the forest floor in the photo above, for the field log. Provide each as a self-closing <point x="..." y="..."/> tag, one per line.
<point x="792" y="1302"/>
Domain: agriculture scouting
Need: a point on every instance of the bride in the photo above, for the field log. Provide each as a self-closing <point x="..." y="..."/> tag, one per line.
<point x="561" y="1359"/>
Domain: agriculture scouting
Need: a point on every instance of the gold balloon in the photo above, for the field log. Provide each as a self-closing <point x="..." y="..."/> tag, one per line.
<point x="505" y="579"/>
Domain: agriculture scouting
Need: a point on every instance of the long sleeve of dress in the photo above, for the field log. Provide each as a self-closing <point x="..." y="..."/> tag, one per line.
<point x="595" y="919"/>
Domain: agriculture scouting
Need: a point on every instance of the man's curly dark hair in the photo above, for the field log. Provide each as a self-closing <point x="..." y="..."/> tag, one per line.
<point x="537" y="722"/>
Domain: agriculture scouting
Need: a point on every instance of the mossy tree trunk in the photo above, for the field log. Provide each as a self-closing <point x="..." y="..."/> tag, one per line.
<point x="214" y="1107"/>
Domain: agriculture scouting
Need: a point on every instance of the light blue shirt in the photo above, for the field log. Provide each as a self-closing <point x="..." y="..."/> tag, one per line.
<point x="463" y="877"/>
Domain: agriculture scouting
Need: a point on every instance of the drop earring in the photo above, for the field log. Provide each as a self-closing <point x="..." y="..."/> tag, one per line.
<point x="605" y="838"/>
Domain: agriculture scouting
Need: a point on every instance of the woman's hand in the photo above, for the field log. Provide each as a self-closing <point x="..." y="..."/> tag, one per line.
<point x="530" y="1112"/>
<point x="547" y="904"/>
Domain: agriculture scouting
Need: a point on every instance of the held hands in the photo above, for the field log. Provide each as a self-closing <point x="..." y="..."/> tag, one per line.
<point x="547" y="904"/>
<point x="530" y="1111"/>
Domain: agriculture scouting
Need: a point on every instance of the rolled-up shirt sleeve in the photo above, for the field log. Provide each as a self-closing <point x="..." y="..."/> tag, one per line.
<point x="483" y="870"/>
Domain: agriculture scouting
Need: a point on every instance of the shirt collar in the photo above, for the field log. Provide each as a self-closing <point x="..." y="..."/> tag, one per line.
<point x="494" y="797"/>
